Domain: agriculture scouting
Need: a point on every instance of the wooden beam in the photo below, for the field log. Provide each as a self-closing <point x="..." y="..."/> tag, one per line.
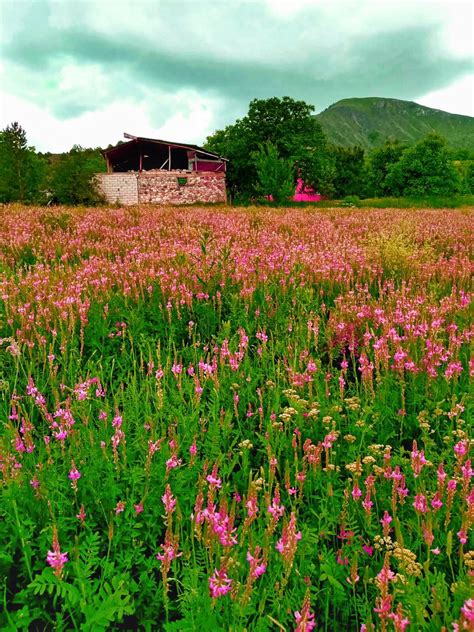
<point x="169" y="157"/>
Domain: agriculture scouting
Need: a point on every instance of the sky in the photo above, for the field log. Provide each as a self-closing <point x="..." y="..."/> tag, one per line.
<point x="84" y="72"/>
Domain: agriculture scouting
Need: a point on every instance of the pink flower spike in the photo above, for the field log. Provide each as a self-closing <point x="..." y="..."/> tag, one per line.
<point x="213" y="479"/>
<point x="219" y="583"/>
<point x="169" y="501"/>
<point x="462" y="535"/>
<point x="81" y="515"/>
<point x="305" y="619"/>
<point x="74" y="474"/>
<point x="420" y="504"/>
<point x="55" y="558"/>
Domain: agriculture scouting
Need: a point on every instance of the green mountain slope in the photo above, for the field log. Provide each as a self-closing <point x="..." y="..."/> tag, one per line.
<point x="369" y="122"/>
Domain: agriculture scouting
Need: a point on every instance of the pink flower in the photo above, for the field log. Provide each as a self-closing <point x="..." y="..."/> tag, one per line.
<point x="367" y="503"/>
<point x="219" y="583"/>
<point x="461" y="448"/>
<point x="288" y="542"/>
<point x="436" y="502"/>
<point x="257" y="565"/>
<point x="74" y="474"/>
<point x="400" y="622"/>
<point x="305" y="619"/>
<point x="275" y="509"/>
<point x="385" y="522"/>
<point x="138" y="508"/>
<point x="173" y="462"/>
<point x="213" y="479"/>
<point x="34" y="482"/>
<point x="462" y="535"/>
<point x="55" y="558"/>
<point x="420" y="504"/>
<point x="356" y="492"/>
<point x="467" y="614"/>
<point x="81" y="515"/>
<point x="170" y="552"/>
<point x="169" y="501"/>
<point x="252" y="507"/>
<point x="417" y="460"/>
<point x="120" y="507"/>
<point x="117" y="421"/>
<point x="176" y="369"/>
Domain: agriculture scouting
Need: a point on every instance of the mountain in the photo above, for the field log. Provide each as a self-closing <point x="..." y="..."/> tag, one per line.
<point x="370" y="121"/>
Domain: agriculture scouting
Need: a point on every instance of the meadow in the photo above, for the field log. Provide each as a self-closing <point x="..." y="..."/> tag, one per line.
<point x="234" y="419"/>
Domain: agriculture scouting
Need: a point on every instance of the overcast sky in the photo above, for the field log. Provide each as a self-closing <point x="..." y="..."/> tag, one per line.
<point x="75" y="72"/>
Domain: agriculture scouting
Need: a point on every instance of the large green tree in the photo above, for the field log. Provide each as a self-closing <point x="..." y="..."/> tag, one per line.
<point x="72" y="176"/>
<point x="275" y="174"/>
<point x="379" y="163"/>
<point x="350" y="171"/>
<point x="290" y="127"/>
<point x="424" y="169"/>
<point x="22" y="171"/>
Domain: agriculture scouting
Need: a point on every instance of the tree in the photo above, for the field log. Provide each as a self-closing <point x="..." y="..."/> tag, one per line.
<point x="21" y="170"/>
<point x="350" y="174"/>
<point x="72" y="178"/>
<point x="469" y="178"/>
<point x="424" y="169"/>
<point x="379" y="163"/>
<point x="291" y="128"/>
<point x="275" y="175"/>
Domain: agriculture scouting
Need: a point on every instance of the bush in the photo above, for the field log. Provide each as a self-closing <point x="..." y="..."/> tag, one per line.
<point x="275" y="175"/>
<point x="424" y="169"/>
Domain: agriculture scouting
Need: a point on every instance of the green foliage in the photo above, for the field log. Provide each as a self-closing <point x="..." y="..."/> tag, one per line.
<point x="72" y="177"/>
<point x="275" y="175"/>
<point x="423" y="170"/>
<point x="379" y="163"/>
<point x="350" y="173"/>
<point x="22" y="171"/>
<point x="470" y="178"/>
<point x="257" y="421"/>
<point x="290" y="127"/>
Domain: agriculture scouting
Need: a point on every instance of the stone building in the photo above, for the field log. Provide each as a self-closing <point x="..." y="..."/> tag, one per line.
<point x="158" y="171"/>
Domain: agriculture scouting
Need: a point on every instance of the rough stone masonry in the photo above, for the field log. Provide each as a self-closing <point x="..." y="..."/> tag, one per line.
<point x="163" y="187"/>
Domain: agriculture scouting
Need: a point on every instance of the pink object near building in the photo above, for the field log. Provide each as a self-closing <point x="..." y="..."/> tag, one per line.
<point x="305" y="193"/>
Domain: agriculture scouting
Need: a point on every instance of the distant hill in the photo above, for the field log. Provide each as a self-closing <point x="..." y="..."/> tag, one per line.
<point x="370" y="121"/>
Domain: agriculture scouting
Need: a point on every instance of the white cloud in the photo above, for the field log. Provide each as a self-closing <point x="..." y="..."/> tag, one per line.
<point x="47" y="133"/>
<point x="191" y="122"/>
<point x="457" y="98"/>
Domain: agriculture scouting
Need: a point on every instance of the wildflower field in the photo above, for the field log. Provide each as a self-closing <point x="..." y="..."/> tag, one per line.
<point x="235" y="419"/>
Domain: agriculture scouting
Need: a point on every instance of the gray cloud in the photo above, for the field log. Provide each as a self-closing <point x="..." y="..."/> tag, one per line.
<point x="230" y="54"/>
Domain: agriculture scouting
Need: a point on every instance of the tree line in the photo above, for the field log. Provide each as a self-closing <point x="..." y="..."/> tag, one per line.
<point x="278" y="141"/>
<point x="30" y="177"/>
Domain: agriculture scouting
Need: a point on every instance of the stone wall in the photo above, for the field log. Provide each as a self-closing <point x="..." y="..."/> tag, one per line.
<point x="119" y="187"/>
<point x="163" y="187"/>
